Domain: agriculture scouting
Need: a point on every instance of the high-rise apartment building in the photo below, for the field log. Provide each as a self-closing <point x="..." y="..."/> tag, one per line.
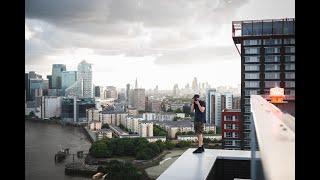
<point x="213" y="106"/>
<point x="57" y="70"/>
<point x="267" y="49"/>
<point x="236" y="102"/>
<point x="99" y="91"/>
<point x="231" y="129"/>
<point x="111" y="92"/>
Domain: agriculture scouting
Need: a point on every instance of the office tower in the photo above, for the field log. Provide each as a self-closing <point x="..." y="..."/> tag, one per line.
<point x="230" y="129"/>
<point x="111" y="92"/>
<point x="136" y="84"/>
<point x="27" y="86"/>
<point x="67" y="79"/>
<point x="49" y="77"/>
<point x="85" y="75"/>
<point x="50" y="106"/>
<point x="226" y="101"/>
<point x="127" y="93"/>
<point x="267" y="50"/>
<point x="99" y="91"/>
<point x="139" y="99"/>
<point x="195" y="84"/>
<point x="236" y="102"/>
<point x="213" y="106"/>
<point x="57" y="70"/>
<point x="74" y="110"/>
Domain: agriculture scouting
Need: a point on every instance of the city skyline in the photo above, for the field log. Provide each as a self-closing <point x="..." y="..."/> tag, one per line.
<point x="124" y="42"/>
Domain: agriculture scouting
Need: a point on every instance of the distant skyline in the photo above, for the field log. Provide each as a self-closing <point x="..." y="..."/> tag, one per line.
<point x="159" y="42"/>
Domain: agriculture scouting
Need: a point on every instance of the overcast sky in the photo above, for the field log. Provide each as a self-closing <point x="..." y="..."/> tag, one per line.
<point x="161" y="42"/>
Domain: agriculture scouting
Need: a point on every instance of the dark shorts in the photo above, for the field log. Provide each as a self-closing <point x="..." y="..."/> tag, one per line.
<point x="198" y="127"/>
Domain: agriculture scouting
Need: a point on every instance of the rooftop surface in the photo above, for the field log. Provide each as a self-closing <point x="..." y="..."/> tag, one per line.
<point x="191" y="166"/>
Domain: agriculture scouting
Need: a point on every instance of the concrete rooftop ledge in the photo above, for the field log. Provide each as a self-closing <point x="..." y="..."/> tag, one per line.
<point x="191" y="166"/>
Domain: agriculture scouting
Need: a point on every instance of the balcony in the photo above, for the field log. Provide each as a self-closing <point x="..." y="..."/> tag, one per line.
<point x="271" y="130"/>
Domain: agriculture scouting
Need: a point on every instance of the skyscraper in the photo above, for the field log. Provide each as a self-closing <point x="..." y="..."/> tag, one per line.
<point x="57" y="70"/>
<point x="67" y="79"/>
<point x="213" y="112"/>
<point x="267" y="49"/>
<point x="139" y="99"/>
<point x="85" y="75"/>
<point x="195" y="84"/>
<point x="127" y="93"/>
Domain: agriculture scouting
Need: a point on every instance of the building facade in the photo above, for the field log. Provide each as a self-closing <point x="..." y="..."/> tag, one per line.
<point x="74" y="110"/>
<point x="67" y="79"/>
<point x="50" y="106"/>
<point x="231" y="129"/>
<point x="85" y="75"/>
<point x="213" y="106"/>
<point x="267" y="50"/>
<point x="57" y="70"/>
<point x="139" y="99"/>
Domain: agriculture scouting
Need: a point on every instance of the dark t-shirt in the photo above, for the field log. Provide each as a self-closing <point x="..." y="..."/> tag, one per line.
<point x="198" y="115"/>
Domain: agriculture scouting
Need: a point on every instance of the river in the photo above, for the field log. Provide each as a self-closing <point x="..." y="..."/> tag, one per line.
<point x="42" y="141"/>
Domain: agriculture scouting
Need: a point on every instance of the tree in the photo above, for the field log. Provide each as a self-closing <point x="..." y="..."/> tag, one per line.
<point x="182" y="144"/>
<point x="190" y="133"/>
<point x="118" y="170"/>
<point x="169" y="145"/>
<point x="105" y="126"/>
<point x="99" y="149"/>
<point x="178" y="110"/>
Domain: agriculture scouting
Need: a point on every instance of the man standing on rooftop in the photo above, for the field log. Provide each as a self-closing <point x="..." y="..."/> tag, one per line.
<point x="199" y="119"/>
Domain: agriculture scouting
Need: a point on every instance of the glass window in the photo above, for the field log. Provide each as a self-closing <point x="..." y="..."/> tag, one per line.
<point x="289" y="49"/>
<point x="271" y="50"/>
<point x="272" y="75"/>
<point x="290" y="75"/>
<point x="251" y="76"/>
<point x="235" y="134"/>
<point x="290" y="84"/>
<point x="272" y="67"/>
<point x="272" y="58"/>
<point x="266" y="91"/>
<point x="289" y="41"/>
<point x="252" y="42"/>
<point x="247" y="109"/>
<point x="252" y="84"/>
<point x="246" y="118"/>
<point x="246" y="29"/>
<point x="271" y="41"/>
<point x="228" y="134"/>
<point x="289" y="67"/>
<point x="267" y="27"/>
<point x="246" y="100"/>
<point x="236" y="126"/>
<point x="248" y="67"/>
<point x="271" y="84"/>
<point x="251" y="50"/>
<point x="288" y="27"/>
<point x="277" y="27"/>
<point x="288" y="58"/>
<point x="229" y="118"/>
<point x="257" y="28"/>
<point x="246" y="135"/>
<point x="246" y="126"/>
<point x="246" y="143"/>
<point x="251" y="59"/>
<point x="228" y="126"/>
<point x="250" y="92"/>
<point x="227" y="142"/>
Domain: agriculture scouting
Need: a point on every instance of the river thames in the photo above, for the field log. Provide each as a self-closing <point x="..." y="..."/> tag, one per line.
<point x="42" y="141"/>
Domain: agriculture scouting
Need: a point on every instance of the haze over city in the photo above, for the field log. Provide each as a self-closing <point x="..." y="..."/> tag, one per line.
<point x="159" y="42"/>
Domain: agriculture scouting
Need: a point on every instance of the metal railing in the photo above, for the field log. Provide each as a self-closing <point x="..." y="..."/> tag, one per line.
<point x="274" y="132"/>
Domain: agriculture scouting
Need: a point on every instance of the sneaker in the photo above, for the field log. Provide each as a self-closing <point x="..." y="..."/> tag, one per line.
<point x="202" y="148"/>
<point x="198" y="150"/>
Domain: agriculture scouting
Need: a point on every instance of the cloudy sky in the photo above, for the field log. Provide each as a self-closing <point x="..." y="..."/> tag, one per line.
<point x="161" y="42"/>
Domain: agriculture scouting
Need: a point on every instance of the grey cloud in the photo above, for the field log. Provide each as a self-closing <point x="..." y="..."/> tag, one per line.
<point x="196" y="55"/>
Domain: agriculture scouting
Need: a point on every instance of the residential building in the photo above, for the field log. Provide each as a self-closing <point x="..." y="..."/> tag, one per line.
<point x="158" y="116"/>
<point x="93" y="114"/>
<point x="111" y="92"/>
<point x="99" y="92"/>
<point x="213" y="107"/>
<point x="145" y="129"/>
<point x="267" y="50"/>
<point x="113" y="116"/>
<point x="132" y="124"/>
<point x="231" y="129"/>
<point x="117" y="131"/>
<point x="95" y="125"/>
<point x="156" y="138"/>
<point x="155" y="106"/>
<point x="194" y="137"/>
<point x="236" y="102"/>
<point x="104" y="133"/>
